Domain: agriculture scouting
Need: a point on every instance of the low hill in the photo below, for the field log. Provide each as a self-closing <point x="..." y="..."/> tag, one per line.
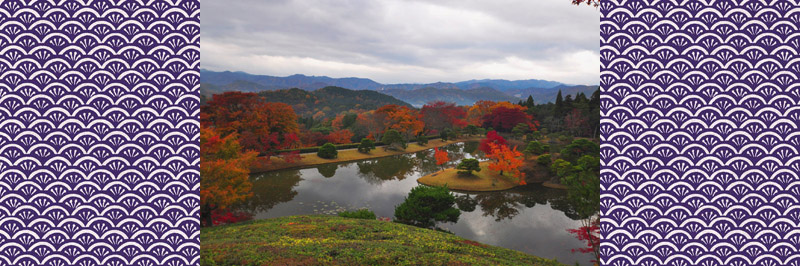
<point x="330" y="101"/>
<point x="332" y="240"/>
<point x="420" y="97"/>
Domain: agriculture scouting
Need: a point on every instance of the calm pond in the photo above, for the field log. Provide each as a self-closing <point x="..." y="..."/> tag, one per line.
<point x="531" y="219"/>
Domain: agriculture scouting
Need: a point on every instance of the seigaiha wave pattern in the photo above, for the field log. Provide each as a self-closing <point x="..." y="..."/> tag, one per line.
<point x="700" y="115"/>
<point x="99" y="133"/>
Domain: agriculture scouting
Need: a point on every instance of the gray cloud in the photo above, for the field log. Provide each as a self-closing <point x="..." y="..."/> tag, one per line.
<point x="392" y="41"/>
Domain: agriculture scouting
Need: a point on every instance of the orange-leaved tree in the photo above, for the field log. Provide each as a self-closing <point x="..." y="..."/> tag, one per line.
<point x="401" y="118"/>
<point x="506" y="159"/>
<point x="441" y="157"/>
<point x="476" y="112"/>
<point x="224" y="172"/>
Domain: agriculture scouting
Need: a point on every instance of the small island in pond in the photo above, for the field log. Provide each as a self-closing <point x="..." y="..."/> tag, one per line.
<point x="485" y="180"/>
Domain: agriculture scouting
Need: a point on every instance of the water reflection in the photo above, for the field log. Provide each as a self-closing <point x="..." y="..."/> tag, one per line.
<point x="531" y="219"/>
<point x="327" y="170"/>
<point x="272" y="188"/>
<point x="380" y="170"/>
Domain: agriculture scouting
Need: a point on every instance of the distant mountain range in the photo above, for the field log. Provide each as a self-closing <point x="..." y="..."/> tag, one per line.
<point x="421" y="96"/>
<point x="329" y="101"/>
<point x="462" y="93"/>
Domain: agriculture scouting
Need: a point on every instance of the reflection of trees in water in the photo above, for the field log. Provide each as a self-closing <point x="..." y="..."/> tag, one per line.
<point x="466" y="203"/>
<point x="500" y="205"/>
<point x="327" y="170"/>
<point x="455" y="153"/>
<point x="384" y="169"/>
<point x="507" y="204"/>
<point x="426" y="163"/>
<point x="471" y="147"/>
<point x="272" y="188"/>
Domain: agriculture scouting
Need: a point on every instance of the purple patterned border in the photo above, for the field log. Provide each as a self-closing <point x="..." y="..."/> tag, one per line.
<point x="98" y="133"/>
<point x="700" y="112"/>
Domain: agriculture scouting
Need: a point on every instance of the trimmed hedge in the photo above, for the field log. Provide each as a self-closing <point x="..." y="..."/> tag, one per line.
<point x="338" y="147"/>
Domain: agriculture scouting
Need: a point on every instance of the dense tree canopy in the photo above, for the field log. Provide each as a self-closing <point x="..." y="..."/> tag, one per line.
<point x="224" y="172"/>
<point x="260" y="125"/>
<point x="401" y="118"/>
<point x="440" y="115"/>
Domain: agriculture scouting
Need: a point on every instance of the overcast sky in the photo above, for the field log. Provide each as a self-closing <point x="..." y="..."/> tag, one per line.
<point x="393" y="41"/>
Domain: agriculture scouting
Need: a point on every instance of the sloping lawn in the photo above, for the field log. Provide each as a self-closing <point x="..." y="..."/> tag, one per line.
<point x="333" y="240"/>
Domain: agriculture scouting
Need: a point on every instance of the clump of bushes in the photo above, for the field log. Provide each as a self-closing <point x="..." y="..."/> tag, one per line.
<point x="422" y="140"/>
<point x="366" y="145"/>
<point x="365" y="214"/>
<point x="544" y="160"/>
<point x="467" y="166"/>
<point x="536" y="148"/>
<point x="327" y="151"/>
<point x="471" y="130"/>
<point x="393" y="140"/>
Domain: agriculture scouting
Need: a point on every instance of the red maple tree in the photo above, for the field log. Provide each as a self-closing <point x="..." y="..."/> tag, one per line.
<point x="491" y="137"/>
<point x="441" y="157"/>
<point x="504" y="119"/>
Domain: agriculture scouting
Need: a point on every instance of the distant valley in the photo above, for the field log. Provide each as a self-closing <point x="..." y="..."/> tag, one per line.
<point x="461" y="93"/>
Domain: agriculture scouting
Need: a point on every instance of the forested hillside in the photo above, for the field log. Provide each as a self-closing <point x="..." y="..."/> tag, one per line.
<point x="329" y="101"/>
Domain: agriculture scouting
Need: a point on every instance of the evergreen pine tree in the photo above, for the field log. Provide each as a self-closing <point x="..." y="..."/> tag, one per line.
<point x="529" y="103"/>
<point x="559" y="110"/>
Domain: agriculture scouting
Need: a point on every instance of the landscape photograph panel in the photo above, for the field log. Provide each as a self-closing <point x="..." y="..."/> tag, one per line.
<point x="399" y="133"/>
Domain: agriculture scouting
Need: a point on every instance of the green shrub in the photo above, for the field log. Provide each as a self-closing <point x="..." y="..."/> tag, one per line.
<point x="578" y="148"/>
<point x="453" y="134"/>
<point x="520" y="130"/>
<point x="422" y="140"/>
<point x="327" y="151"/>
<point x="471" y="130"/>
<point x="359" y="214"/>
<point x="468" y="165"/>
<point x="536" y="135"/>
<point x="534" y="148"/>
<point x="426" y="205"/>
<point x="366" y="145"/>
<point x="544" y="160"/>
<point x="393" y="140"/>
<point x="443" y="135"/>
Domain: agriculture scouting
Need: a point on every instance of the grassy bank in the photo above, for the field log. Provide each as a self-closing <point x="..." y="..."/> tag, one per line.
<point x="311" y="159"/>
<point x="332" y="240"/>
<point x="485" y="180"/>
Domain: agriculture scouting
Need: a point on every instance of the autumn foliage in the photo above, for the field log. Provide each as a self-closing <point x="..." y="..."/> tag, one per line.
<point x="504" y="118"/>
<point x="401" y="118"/>
<point x="506" y="159"/>
<point x="440" y="115"/>
<point x="224" y="172"/>
<point x="259" y="125"/>
<point x="591" y="235"/>
<point x="491" y="137"/>
<point x="441" y="157"/>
